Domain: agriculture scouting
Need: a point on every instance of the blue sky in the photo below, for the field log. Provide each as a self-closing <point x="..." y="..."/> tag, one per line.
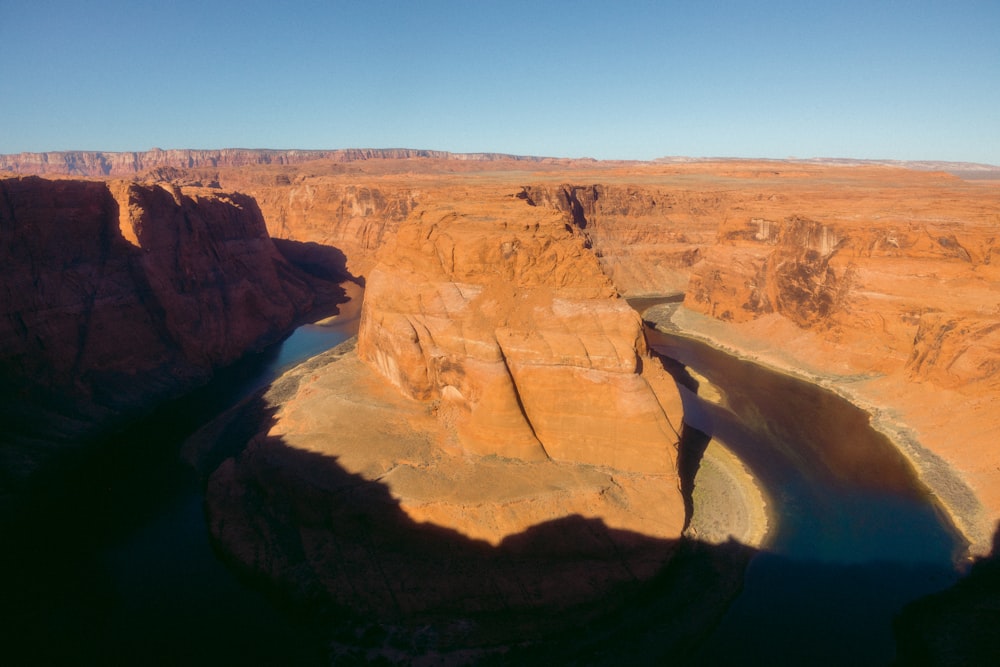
<point x="635" y="80"/>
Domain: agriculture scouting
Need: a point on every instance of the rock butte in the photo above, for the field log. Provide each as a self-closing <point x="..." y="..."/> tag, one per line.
<point x="499" y="362"/>
<point x="882" y="281"/>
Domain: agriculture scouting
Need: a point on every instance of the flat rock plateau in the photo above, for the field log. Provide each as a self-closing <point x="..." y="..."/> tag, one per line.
<point x="498" y="439"/>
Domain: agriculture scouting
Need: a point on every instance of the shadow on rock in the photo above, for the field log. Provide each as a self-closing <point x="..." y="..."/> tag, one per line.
<point x="958" y="626"/>
<point x="393" y="588"/>
<point x="320" y="261"/>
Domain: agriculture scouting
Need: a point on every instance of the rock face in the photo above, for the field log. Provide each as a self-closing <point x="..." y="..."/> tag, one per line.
<point x="132" y="163"/>
<point x="794" y="271"/>
<point x="357" y="219"/>
<point x="118" y="295"/>
<point x="647" y="238"/>
<point x="501" y="314"/>
<point x="499" y="442"/>
<point x="888" y="278"/>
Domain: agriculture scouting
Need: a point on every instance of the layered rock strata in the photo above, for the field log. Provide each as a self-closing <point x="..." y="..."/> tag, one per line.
<point x="508" y="322"/>
<point x="647" y="238"/>
<point x="889" y="293"/>
<point x="498" y="441"/>
<point x="118" y="295"/>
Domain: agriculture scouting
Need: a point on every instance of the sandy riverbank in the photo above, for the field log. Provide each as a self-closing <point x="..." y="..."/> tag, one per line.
<point x="728" y="502"/>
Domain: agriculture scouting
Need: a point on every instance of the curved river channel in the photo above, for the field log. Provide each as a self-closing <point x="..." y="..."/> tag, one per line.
<point x="119" y="569"/>
<point x="854" y="535"/>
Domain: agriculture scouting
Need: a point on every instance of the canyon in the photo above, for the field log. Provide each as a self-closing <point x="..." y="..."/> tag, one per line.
<point x="501" y="404"/>
<point x="120" y="295"/>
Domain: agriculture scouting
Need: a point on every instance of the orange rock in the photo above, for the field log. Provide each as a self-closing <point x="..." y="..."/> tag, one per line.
<point x="498" y="311"/>
<point x="118" y="295"/>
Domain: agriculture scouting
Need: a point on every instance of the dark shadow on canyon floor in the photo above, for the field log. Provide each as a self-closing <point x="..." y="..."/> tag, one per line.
<point x="570" y="590"/>
<point x="563" y="592"/>
<point x="361" y="581"/>
<point x="320" y="261"/>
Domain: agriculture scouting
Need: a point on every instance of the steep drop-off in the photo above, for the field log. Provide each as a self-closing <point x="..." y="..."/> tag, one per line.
<point x="885" y="285"/>
<point x="646" y="237"/>
<point x="119" y="295"/>
<point x="499" y="442"/>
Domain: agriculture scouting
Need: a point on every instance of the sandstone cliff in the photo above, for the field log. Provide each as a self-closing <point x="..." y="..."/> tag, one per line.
<point x="499" y="312"/>
<point x="646" y="237"/>
<point x="357" y="219"/>
<point x="886" y="278"/>
<point x="499" y="442"/>
<point x="132" y="163"/>
<point x="119" y="295"/>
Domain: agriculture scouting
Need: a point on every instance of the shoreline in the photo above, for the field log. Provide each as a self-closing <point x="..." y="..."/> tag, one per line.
<point x="951" y="494"/>
<point x="729" y="504"/>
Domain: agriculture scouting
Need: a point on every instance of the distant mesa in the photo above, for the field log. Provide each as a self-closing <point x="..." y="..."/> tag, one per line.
<point x="122" y="164"/>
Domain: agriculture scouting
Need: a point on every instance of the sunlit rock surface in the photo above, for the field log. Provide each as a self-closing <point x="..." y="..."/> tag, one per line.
<point x="500" y="313"/>
<point x="499" y="441"/>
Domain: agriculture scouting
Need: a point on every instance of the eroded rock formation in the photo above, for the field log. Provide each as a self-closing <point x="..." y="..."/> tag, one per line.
<point x="499" y="312"/>
<point x="501" y="420"/>
<point x="119" y="295"/>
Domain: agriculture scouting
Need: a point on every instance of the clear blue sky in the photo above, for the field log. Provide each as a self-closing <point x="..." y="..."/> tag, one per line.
<point x="908" y="79"/>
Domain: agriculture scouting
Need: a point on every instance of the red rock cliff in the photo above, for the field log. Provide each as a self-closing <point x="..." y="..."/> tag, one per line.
<point x="117" y="295"/>
<point x="647" y="238"/>
<point x="498" y="311"/>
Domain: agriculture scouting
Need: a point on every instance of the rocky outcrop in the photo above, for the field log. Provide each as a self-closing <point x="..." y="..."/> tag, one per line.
<point x="501" y="314"/>
<point x="119" y="295"/>
<point x="498" y="443"/>
<point x="646" y="238"/>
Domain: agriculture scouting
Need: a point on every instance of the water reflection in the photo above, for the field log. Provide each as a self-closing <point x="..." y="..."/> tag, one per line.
<point x="857" y="535"/>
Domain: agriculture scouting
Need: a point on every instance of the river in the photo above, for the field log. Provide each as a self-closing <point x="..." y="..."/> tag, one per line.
<point x="855" y="537"/>
<point x="118" y="568"/>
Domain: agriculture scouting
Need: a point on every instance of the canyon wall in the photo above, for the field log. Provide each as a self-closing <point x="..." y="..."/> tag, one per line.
<point x="355" y="218"/>
<point x="132" y="163"/>
<point x="884" y="284"/>
<point x="498" y="311"/>
<point x="646" y="238"/>
<point x="906" y="287"/>
<point x="118" y="295"/>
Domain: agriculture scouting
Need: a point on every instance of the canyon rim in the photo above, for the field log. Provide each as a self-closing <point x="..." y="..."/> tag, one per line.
<point x="500" y="411"/>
